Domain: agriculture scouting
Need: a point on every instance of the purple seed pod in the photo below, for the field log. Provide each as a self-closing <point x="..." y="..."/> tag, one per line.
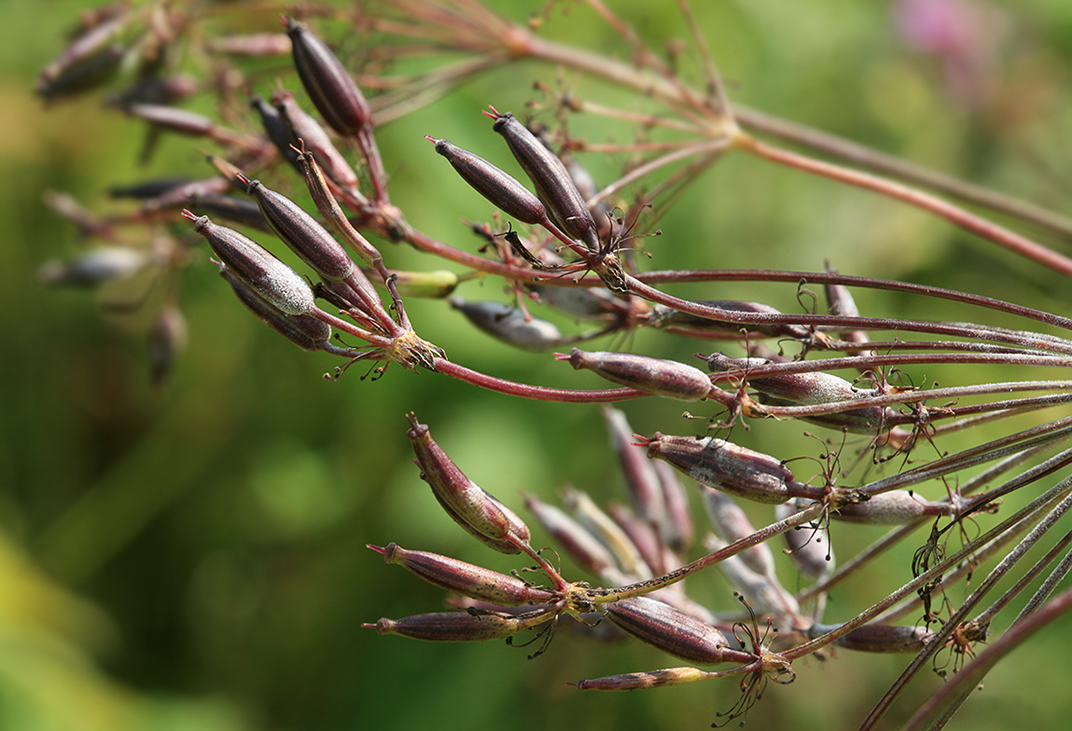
<point x="645" y="679"/>
<point x="583" y="547"/>
<point x="643" y="536"/>
<point x="231" y="208"/>
<point x="672" y="631"/>
<point x="509" y="324"/>
<point x="554" y="186"/>
<point x="881" y="638"/>
<point x="731" y="523"/>
<point x="327" y="82"/>
<point x="305" y="132"/>
<point x="305" y="331"/>
<point x="666" y="378"/>
<point x="274" y="127"/>
<point x="95" y="267"/>
<point x="170" y="118"/>
<point x="666" y="317"/>
<point x="147" y="189"/>
<point x="678" y="530"/>
<point x="645" y="491"/>
<point x="81" y="75"/>
<point x="469" y="626"/>
<point x="809" y="546"/>
<point x="300" y="231"/>
<point x="729" y="467"/>
<point x="502" y="190"/>
<point x="896" y="507"/>
<point x="806" y="389"/>
<point x="471" y="507"/>
<point x="603" y="527"/>
<point x="253" y="45"/>
<point x="273" y="280"/>
<point x="464" y="578"/>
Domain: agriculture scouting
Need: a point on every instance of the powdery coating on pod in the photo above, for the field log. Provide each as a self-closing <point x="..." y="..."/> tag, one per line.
<point x="670" y="630"/>
<point x="656" y="376"/>
<point x="502" y="190"/>
<point x="327" y="82"/>
<point x="273" y="280"/>
<point x="666" y="317"/>
<point x="554" y="186"/>
<point x="892" y="508"/>
<point x="805" y="389"/>
<point x="464" y="578"/>
<point x="726" y="466"/>
<point x="882" y="638"/>
<point x="470" y="506"/>
<point x="300" y="231"/>
<point x="731" y="524"/>
<point x="306" y="332"/>
<point x="509" y="325"/>
<point x="454" y="626"/>
<point x="94" y="267"/>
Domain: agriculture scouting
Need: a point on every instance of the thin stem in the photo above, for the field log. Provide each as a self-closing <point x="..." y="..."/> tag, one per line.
<point x="539" y="393"/>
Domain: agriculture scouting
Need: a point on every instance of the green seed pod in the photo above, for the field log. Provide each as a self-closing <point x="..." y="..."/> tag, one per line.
<point x="471" y="626"/>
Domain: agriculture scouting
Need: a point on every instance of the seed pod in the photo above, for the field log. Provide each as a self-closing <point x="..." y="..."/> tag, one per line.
<point x="502" y="190"/>
<point x="327" y="82"/>
<point x="656" y="376"/>
<point x="600" y="525"/>
<point x="253" y="45"/>
<point x="242" y="211"/>
<point x="645" y="679"/>
<point x="464" y="578"/>
<point x="95" y="267"/>
<point x="553" y="184"/>
<point x="300" y="231"/>
<point x="809" y="546"/>
<point x="678" y="529"/>
<point x="471" y="507"/>
<point x="896" y="507"/>
<point x="148" y="189"/>
<point x="80" y="76"/>
<point x="805" y="389"/>
<point x="643" y="536"/>
<point x="582" y="303"/>
<point x="644" y="489"/>
<point x="472" y="626"/>
<point x="162" y="90"/>
<point x="509" y="325"/>
<point x="666" y="317"/>
<point x="731" y="524"/>
<point x="763" y="591"/>
<point x="305" y="132"/>
<point x="273" y="280"/>
<point x="170" y="118"/>
<point x="670" y="630"/>
<point x="305" y="331"/>
<point x="582" y="546"/>
<point x="437" y="284"/>
<point x="883" y="638"/>
<point x="274" y="127"/>
<point x="731" y="468"/>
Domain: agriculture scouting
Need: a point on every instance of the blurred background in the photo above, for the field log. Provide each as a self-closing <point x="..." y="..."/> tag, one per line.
<point x="193" y="555"/>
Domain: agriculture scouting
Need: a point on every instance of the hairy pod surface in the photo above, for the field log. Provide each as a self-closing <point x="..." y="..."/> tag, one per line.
<point x="666" y="378"/>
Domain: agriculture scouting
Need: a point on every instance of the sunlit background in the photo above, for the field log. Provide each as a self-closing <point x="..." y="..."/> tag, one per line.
<point x="193" y="556"/>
